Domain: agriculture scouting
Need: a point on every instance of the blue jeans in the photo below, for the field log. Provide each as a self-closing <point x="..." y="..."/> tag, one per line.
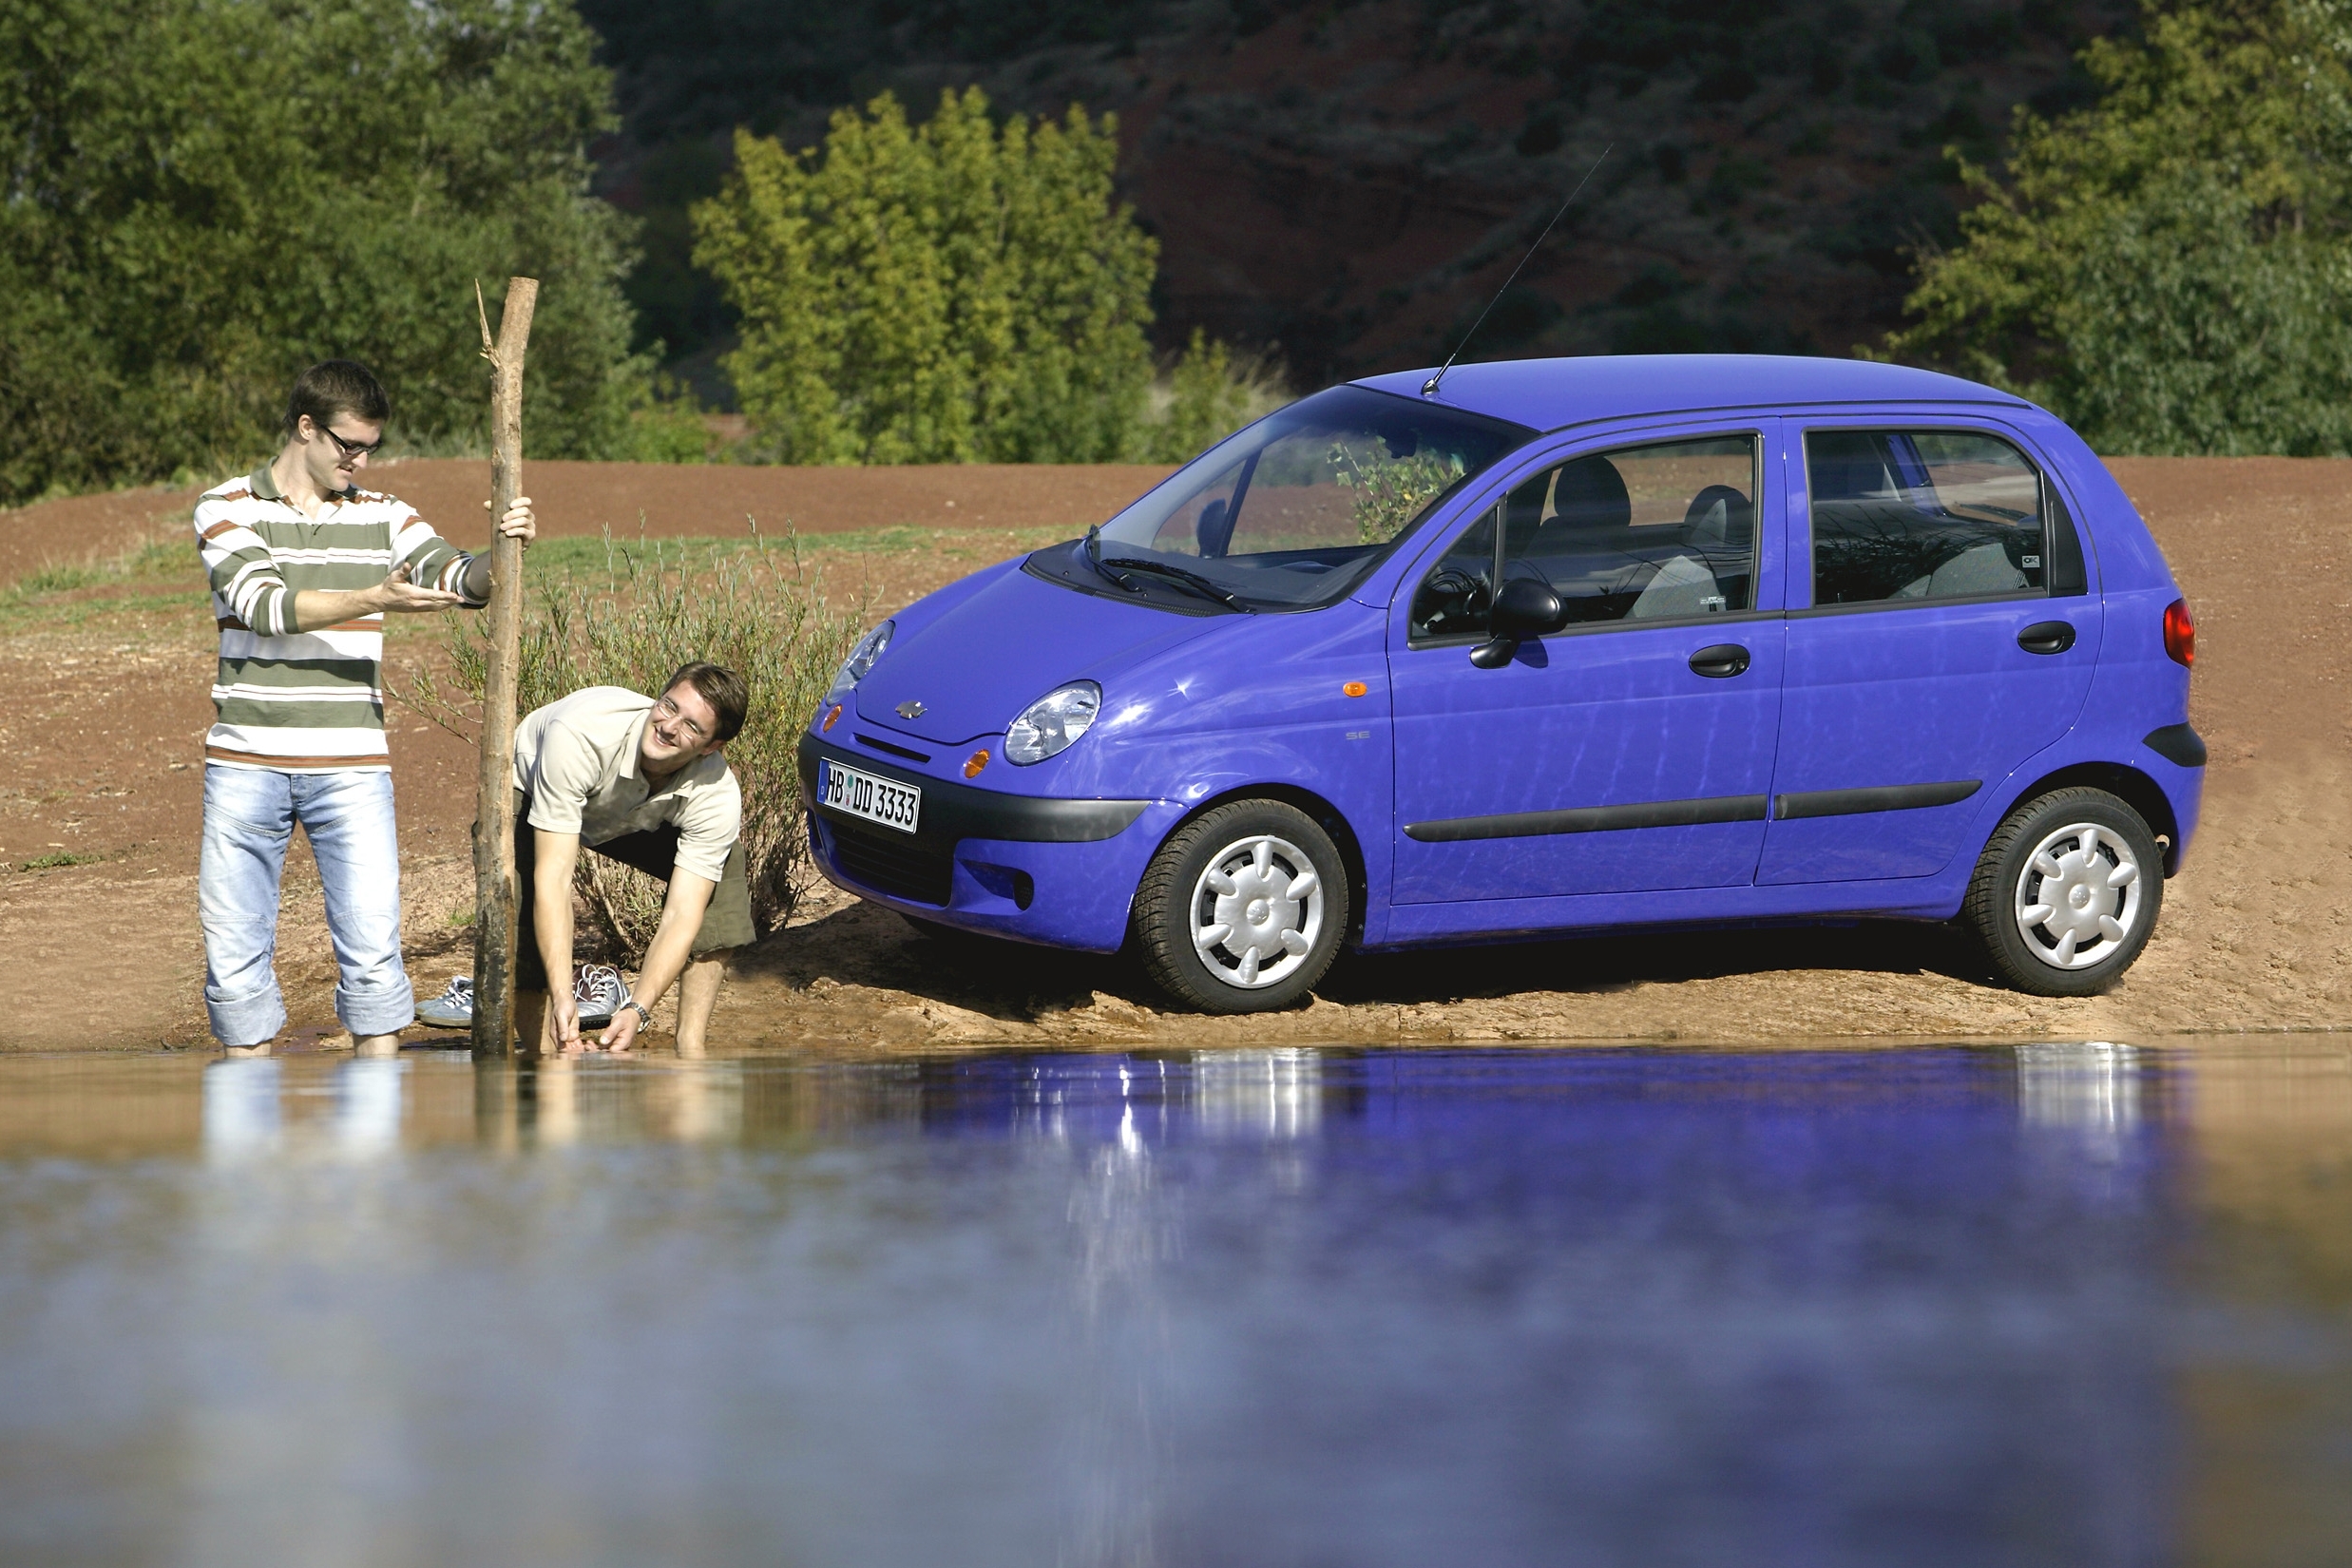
<point x="249" y="819"/>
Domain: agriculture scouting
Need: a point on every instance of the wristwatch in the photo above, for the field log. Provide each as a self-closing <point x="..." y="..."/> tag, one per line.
<point x="644" y="1018"/>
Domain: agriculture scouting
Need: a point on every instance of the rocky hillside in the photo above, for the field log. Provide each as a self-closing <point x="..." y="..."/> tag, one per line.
<point x="1350" y="183"/>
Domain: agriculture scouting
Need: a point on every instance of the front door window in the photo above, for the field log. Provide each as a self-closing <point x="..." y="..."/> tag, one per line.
<point x="1658" y="532"/>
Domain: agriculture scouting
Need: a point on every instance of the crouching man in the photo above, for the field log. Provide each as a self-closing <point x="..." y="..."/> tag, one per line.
<point x="640" y="780"/>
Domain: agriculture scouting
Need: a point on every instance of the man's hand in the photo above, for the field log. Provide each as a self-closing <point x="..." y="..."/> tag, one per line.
<point x="520" y="522"/>
<point x="561" y="1033"/>
<point x="397" y="595"/>
<point x="621" y="1032"/>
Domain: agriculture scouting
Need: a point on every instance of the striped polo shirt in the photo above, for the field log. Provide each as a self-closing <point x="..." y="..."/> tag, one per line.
<point x="305" y="701"/>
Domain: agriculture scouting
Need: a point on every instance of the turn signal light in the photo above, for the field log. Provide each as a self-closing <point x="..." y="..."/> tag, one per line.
<point x="978" y="761"/>
<point x="2180" y="633"/>
<point x="1355" y="688"/>
<point x="832" y="718"/>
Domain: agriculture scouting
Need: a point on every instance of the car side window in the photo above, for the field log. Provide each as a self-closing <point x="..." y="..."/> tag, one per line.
<point x="1654" y="532"/>
<point x="1921" y="515"/>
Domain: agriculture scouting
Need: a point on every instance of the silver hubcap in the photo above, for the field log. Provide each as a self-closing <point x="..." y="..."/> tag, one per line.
<point x="1256" y="911"/>
<point x="2078" y="898"/>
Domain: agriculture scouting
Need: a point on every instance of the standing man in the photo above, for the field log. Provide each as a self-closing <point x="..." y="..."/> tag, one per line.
<point x="640" y="780"/>
<point x="304" y="566"/>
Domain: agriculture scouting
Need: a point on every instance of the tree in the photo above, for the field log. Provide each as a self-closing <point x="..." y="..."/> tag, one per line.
<point x="955" y="292"/>
<point x="2171" y="268"/>
<point x="203" y="196"/>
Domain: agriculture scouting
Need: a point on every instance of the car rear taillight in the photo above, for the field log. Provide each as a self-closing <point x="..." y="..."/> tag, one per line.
<point x="2180" y="633"/>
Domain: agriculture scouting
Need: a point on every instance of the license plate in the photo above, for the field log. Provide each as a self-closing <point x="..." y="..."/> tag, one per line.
<point x="882" y="800"/>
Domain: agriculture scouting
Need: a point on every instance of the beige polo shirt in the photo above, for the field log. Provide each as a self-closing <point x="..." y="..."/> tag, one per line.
<point x="577" y="760"/>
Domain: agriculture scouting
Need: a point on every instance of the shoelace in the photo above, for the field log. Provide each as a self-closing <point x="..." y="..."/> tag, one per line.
<point x="596" y="981"/>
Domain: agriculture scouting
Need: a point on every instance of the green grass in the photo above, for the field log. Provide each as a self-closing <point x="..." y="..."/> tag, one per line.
<point x="45" y="596"/>
<point x="56" y="858"/>
<point x="586" y="558"/>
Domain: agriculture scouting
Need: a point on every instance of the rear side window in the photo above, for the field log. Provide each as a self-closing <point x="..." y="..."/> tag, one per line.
<point x="1659" y="532"/>
<point x="1906" y="515"/>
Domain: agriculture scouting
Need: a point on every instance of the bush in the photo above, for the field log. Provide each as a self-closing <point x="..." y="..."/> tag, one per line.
<point x="1205" y="395"/>
<point x="754" y="610"/>
<point x="205" y="195"/>
<point x="2171" y="268"/>
<point x="951" y="293"/>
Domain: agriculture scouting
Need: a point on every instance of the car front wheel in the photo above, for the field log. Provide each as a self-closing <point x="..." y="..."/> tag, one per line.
<point x="2066" y="893"/>
<point x="1243" y="909"/>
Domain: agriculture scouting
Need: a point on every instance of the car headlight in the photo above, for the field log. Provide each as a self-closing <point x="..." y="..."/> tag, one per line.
<point x="865" y="656"/>
<point x="1049" y="724"/>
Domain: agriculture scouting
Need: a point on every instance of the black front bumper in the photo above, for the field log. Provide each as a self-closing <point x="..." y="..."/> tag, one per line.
<point x="953" y="811"/>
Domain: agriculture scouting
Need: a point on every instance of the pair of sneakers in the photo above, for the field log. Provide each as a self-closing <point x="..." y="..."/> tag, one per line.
<point x="600" y="992"/>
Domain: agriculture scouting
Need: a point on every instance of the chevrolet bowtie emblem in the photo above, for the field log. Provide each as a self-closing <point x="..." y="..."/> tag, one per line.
<point x="911" y="709"/>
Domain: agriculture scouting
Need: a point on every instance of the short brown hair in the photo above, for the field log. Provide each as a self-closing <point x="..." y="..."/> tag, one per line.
<point x="333" y="386"/>
<point x="721" y="688"/>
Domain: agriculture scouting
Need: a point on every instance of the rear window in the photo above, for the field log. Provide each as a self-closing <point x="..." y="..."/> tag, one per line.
<point x="1902" y="516"/>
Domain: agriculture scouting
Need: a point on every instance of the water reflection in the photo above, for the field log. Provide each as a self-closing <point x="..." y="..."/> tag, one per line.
<point x="2077" y="1303"/>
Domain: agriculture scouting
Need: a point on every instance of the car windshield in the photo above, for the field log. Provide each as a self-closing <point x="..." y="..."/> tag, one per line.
<point x="1291" y="512"/>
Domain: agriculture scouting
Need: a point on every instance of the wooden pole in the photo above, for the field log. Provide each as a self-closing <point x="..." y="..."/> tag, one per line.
<point x="495" y="911"/>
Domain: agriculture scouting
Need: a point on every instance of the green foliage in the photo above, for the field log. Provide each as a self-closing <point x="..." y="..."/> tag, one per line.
<point x="201" y="197"/>
<point x="670" y="427"/>
<point x="954" y="292"/>
<point x="1391" y="491"/>
<point x="2171" y="268"/>
<point x="643" y="612"/>
<point x="1206" y="395"/>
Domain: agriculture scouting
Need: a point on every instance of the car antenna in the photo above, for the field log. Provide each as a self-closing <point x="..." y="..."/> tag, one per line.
<point x="1429" y="388"/>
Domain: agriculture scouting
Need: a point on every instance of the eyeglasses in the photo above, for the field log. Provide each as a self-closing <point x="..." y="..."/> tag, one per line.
<point x="349" y="448"/>
<point x="670" y="710"/>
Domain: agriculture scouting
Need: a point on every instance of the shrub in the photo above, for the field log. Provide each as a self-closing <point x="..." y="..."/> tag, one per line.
<point x="754" y="610"/>
<point x="1204" y="395"/>
<point x="2170" y="267"/>
<point x="945" y="293"/>
<point x="205" y="196"/>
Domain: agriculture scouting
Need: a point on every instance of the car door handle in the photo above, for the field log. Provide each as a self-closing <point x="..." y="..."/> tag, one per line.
<point x="2047" y="637"/>
<point x="1720" y="662"/>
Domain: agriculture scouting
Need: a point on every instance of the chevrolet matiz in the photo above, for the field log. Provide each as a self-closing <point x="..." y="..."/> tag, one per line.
<point x="1545" y="646"/>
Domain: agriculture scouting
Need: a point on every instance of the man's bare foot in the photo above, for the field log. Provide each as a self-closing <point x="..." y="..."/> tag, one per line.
<point x="262" y="1049"/>
<point x="376" y="1045"/>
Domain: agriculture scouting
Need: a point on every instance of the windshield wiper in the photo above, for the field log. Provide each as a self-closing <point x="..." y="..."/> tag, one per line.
<point x="1093" y="551"/>
<point x="1191" y="580"/>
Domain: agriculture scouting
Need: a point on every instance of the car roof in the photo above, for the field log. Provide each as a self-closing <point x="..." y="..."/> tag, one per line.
<point x="1550" y="393"/>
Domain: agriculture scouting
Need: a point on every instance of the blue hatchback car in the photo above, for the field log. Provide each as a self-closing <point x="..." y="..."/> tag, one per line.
<point x="1562" y="645"/>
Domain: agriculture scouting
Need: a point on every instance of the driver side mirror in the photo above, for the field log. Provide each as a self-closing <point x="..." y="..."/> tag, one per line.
<point x="1524" y="608"/>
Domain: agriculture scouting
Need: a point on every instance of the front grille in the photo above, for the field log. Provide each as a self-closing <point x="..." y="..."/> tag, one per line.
<point x="895" y="751"/>
<point x="892" y="863"/>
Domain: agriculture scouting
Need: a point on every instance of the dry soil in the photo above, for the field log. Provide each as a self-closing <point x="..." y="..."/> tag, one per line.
<point x="101" y="783"/>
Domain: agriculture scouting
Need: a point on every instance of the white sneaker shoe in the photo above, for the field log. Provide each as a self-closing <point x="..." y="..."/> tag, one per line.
<point x="600" y="992"/>
<point x="452" y="1008"/>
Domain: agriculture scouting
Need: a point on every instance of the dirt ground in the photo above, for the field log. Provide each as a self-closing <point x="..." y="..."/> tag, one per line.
<point x="101" y="786"/>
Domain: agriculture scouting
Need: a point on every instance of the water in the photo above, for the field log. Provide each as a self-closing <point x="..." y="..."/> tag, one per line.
<point x="2068" y="1304"/>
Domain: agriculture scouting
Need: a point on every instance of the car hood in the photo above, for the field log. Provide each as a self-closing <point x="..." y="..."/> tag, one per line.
<point x="975" y="666"/>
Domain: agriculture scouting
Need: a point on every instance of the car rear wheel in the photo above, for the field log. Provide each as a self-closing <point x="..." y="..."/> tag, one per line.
<point x="1243" y="909"/>
<point x="2066" y="893"/>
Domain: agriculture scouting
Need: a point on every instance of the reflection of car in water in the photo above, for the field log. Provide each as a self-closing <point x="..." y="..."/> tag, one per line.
<point x="1665" y="641"/>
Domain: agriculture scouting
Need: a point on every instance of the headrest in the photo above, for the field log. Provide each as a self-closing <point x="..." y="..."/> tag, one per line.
<point x="1847" y="466"/>
<point x="1591" y="494"/>
<point x="1719" y="517"/>
<point x="1213" y="532"/>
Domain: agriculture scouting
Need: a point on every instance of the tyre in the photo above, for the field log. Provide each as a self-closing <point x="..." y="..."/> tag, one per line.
<point x="1243" y="909"/>
<point x="2066" y="893"/>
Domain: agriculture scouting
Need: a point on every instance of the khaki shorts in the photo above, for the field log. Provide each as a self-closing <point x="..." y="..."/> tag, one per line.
<point x="726" y="921"/>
